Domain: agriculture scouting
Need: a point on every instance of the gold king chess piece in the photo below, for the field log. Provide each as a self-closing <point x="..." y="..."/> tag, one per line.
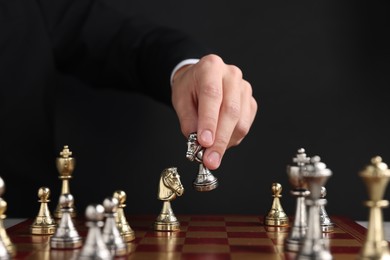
<point x="65" y="166"/>
<point x="169" y="187"/>
<point x="123" y="225"/>
<point x="44" y="223"/>
<point x="276" y="217"/>
<point x="5" y="240"/>
<point x="376" y="177"/>
<point x="205" y="180"/>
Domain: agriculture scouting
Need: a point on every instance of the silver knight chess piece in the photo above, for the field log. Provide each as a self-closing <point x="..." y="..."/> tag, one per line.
<point x="205" y="180"/>
<point x="169" y="187"/>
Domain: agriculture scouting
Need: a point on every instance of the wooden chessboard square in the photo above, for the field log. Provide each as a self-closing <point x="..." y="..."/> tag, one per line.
<point x="207" y="218"/>
<point x="206" y="228"/>
<point x="345" y="242"/>
<point x="206" y="248"/>
<point x="253" y="248"/>
<point x="203" y="256"/>
<point x="206" y="240"/>
<point x="207" y="224"/>
<point x="164" y="247"/>
<point x="245" y="229"/>
<point x="245" y="256"/>
<point x="164" y="241"/>
<point x="242" y="241"/>
<point x="245" y="219"/>
<point x="156" y="255"/>
<point x="240" y="234"/>
<point x="206" y="234"/>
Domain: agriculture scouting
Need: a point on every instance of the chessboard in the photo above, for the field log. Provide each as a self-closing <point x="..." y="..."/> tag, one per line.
<point x="200" y="237"/>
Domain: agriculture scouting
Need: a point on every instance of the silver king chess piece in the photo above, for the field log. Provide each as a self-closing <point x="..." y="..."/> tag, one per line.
<point x="300" y="192"/>
<point x="169" y="187"/>
<point x="205" y="180"/>
<point x="314" y="245"/>
<point x="376" y="177"/>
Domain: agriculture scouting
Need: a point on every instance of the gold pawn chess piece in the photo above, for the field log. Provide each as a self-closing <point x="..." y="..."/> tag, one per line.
<point x="376" y="177"/>
<point x="276" y="216"/>
<point x="65" y="166"/>
<point x="169" y="187"/>
<point x="10" y="248"/>
<point x="44" y="223"/>
<point x="120" y="217"/>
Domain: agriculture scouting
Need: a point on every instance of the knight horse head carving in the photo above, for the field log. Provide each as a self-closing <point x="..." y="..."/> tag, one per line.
<point x="170" y="185"/>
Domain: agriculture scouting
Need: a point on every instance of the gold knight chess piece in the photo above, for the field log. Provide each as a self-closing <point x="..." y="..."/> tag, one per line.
<point x="65" y="166"/>
<point x="276" y="217"/>
<point x="44" y="223"/>
<point x="169" y="187"/>
<point x="376" y="177"/>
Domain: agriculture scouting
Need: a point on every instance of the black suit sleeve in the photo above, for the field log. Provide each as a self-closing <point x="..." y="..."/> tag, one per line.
<point x="108" y="48"/>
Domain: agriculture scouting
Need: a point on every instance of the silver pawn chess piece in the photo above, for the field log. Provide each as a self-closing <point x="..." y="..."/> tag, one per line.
<point x="326" y="223"/>
<point x="314" y="245"/>
<point x="66" y="235"/>
<point x="4" y="253"/>
<point x="111" y="235"/>
<point x="205" y="180"/>
<point x="169" y="187"/>
<point x="94" y="246"/>
<point x="300" y="192"/>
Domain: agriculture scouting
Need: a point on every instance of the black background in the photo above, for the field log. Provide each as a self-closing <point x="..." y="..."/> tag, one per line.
<point x="318" y="69"/>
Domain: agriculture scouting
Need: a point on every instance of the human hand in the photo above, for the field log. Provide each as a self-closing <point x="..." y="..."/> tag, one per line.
<point x="212" y="99"/>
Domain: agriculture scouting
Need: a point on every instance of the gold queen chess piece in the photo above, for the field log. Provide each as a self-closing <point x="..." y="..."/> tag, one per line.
<point x="44" y="223"/>
<point x="65" y="166"/>
<point x="376" y="177"/>
<point x="276" y="217"/>
<point x="169" y="187"/>
<point x="205" y="180"/>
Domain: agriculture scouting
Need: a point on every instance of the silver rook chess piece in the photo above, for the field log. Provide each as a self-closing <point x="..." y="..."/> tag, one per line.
<point x="205" y="180"/>
<point x="169" y="187"/>
<point x="314" y="245"/>
<point x="300" y="192"/>
<point x="376" y="177"/>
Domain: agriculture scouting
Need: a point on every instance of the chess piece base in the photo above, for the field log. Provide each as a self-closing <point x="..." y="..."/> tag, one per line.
<point x="130" y="236"/>
<point x="65" y="243"/>
<point x="43" y="230"/>
<point x="277" y="222"/>
<point x="205" y="186"/>
<point x="164" y="226"/>
<point x="292" y="245"/>
<point x="327" y="228"/>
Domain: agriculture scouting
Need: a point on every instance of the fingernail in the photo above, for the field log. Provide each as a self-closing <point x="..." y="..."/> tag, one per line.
<point x="207" y="137"/>
<point x="214" y="158"/>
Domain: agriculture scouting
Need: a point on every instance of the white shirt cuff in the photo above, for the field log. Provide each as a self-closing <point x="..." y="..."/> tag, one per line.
<point x="182" y="64"/>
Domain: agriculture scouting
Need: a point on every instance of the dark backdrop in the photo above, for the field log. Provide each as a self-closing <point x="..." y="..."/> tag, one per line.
<point x="318" y="69"/>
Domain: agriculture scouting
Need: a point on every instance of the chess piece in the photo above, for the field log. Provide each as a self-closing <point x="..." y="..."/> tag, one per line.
<point x="300" y="192"/>
<point x="4" y="238"/>
<point x="44" y="223"/>
<point x="314" y="245"/>
<point x="66" y="235"/>
<point x="376" y="177"/>
<point x="65" y="166"/>
<point x="111" y="234"/>
<point x="205" y="180"/>
<point x="169" y="187"/>
<point x="276" y="216"/>
<point x="94" y="246"/>
<point x="326" y="223"/>
<point x="124" y="228"/>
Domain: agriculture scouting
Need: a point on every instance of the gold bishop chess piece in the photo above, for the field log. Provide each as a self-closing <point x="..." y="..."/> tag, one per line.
<point x="376" y="177"/>
<point x="66" y="235"/>
<point x="65" y="166"/>
<point x="44" y="223"/>
<point x="4" y="238"/>
<point x="169" y="187"/>
<point x="276" y="217"/>
<point x="120" y="217"/>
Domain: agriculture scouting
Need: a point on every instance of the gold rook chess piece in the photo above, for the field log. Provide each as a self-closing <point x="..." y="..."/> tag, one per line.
<point x="124" y="228"/>
<point x="7" y="243"/>
<point x="65" y="166"/>
<point x="376" y="177"/>
<point x="276" y="216"/>
<point x="169" y="187"/>
<point x="44" y="223"/>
